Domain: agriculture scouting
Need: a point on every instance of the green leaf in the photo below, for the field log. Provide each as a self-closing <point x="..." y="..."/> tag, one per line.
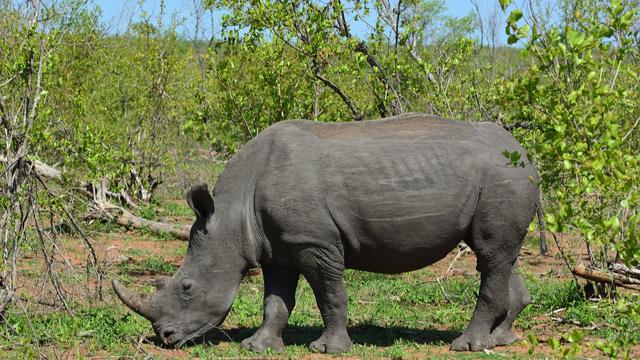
<point x="625" y="19"/>
<point x="533" y="340"/>
<point x="613" y="222"/>
<point x="606" y="31"/>
<point x="575" y="336"/>
<point x="575" y="38"/>
<point x="616" y="7"/>
<point x="504" y="4"/>
<point x="514" y="16"/>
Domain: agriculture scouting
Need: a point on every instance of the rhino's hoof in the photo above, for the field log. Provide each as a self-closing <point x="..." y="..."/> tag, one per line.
<point x="260" y="342"/>
<point x="335" y="344"/>
<point x="472" y="343"/>
<point x="502" y="337"/>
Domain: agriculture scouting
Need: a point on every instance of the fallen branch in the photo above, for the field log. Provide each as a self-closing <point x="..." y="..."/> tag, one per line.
<point x="128" y="219"/>
<point x="99" y="195"/>
<point x="623" y="270"/>
<point x="40" y="168"/>
<point x="607" y="278"/>
<point x="126" y="198"/>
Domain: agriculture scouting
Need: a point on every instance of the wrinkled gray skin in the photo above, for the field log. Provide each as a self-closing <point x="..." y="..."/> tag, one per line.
<point x="386" y="196"/>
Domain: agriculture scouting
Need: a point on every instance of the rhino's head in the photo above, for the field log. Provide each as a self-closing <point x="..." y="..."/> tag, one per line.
<point x="199" y="295"/>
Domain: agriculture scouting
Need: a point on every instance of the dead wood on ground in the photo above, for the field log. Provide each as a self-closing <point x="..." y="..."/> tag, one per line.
<point x="614" y="277"/>
<point x="102" y="200"/>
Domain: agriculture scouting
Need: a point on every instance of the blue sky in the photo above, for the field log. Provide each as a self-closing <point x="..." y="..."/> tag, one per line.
<point x="116" y="13"/>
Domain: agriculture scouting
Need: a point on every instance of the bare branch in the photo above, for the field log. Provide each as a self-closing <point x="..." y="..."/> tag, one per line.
<point x="357" y="115"/>
<point x="606" y="278"/>
<point x="128" y="219"/>
<point x="342" y="26"/>
<point x="519" y="125"/>
<point x="40" y="168"/>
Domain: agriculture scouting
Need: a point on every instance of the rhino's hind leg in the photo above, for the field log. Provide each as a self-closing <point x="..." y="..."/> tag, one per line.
<point x="323" y="269"/>
<point x="279" y="300"/>
<point x="492" y="306"/>
<point x="518" y="298"/>
<point x="498" y="229"/>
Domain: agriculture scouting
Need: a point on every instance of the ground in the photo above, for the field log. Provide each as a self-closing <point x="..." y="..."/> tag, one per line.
<point x="412" y="315"/>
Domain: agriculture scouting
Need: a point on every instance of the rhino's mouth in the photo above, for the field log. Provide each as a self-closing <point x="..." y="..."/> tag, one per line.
<point x="200" y="332"/>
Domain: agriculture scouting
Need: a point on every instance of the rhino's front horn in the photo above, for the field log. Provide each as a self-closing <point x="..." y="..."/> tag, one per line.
<point x="136" y="302"/>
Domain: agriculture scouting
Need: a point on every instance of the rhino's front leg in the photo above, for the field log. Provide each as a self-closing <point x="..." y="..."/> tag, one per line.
<point x="323" y="270"/>
<point x="279" y="300"/>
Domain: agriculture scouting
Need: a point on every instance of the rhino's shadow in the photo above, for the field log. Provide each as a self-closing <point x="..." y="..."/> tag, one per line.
<point x="361" y="334"/>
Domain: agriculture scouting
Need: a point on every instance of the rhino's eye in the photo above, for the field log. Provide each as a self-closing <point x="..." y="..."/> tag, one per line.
<point x="186" y="286"/>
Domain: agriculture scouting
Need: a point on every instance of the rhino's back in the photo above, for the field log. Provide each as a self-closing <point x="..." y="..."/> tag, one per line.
<point x="405" y="126"/>
<point x="399" y="192"/>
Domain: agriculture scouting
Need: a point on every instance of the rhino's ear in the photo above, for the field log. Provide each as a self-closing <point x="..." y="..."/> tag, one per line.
<point x="200" y="201"/>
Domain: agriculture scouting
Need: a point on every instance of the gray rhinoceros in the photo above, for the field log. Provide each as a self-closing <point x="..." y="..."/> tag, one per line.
<point x="386" y="196"/>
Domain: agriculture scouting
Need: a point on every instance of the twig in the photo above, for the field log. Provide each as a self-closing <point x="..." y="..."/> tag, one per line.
<point x="635" y="124"/>
<point x="460" y="252"/>
<point x="139" y="347"/>
<point x="446" y="296"/>
<point x="357" y="115"/>
<point x="564" y="257"/>
<point x="554" y="312"/>
<point x="85" y="239"/>
<point x="50" y="272"/>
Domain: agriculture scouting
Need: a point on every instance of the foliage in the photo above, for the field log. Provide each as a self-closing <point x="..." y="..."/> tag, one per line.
<point x="246" y="89"/>
<point x="150" y="105"/>
<point x="103" y="327"/>
<point x="303" y="60"/>
<point x="605" y="319"/>
<point x="134" y="86"/>
<point x="578" y="97"/>
<point x="28" y="56"/>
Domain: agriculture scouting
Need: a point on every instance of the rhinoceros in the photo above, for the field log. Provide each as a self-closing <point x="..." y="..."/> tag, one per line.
<point x="313" y="199"/>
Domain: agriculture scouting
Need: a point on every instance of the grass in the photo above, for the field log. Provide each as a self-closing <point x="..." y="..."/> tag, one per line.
<point x="152" y="265"/>
<point x="172" y="208"/>
<point x="157" y="209"/>
<point x="389" y="317"/>
<point x="96" y="329"/>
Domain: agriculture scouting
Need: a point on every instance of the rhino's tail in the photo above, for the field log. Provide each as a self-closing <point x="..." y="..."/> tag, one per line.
<point x="540" y="213"/>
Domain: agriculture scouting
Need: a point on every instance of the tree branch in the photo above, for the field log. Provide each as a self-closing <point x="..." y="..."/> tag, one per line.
<point x="357" y="115"/>
<point x="606" y="278"/>
<point x="128" y="219"/>
<point x="362" y="48"/>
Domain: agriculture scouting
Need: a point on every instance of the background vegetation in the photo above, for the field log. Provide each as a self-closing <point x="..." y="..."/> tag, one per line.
<point x="150" y="111"/>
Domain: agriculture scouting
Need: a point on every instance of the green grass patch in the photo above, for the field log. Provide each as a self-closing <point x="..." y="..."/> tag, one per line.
<point x="148" y="266"/>
<point x="390" y="316"/>
<point x="96" y="328"/>
<point x="395" y="316"/>
<point x="170" y="208"/>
